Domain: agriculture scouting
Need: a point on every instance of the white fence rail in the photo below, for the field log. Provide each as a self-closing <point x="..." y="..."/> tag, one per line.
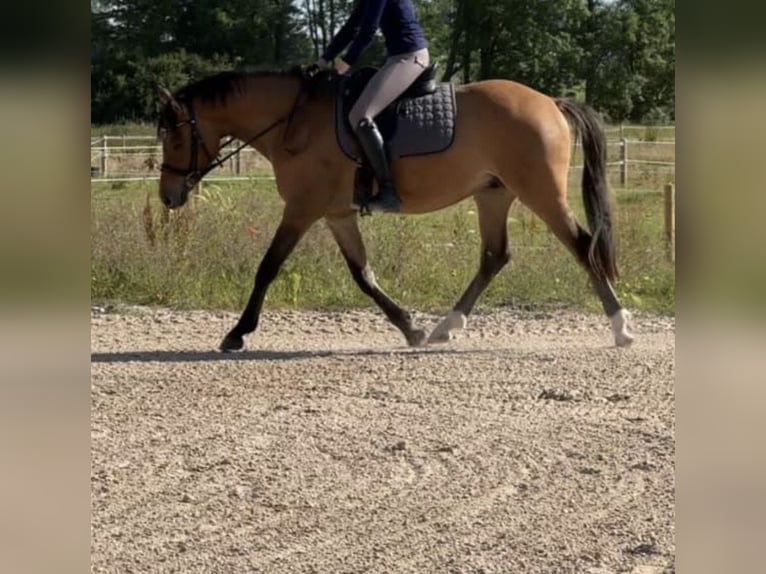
<point x="630" y="162"/>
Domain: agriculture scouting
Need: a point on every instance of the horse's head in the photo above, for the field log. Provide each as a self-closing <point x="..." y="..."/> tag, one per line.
<point x="189" y="148"/>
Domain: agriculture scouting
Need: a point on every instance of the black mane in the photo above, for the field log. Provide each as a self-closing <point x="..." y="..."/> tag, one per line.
<point x="217" y="89"/>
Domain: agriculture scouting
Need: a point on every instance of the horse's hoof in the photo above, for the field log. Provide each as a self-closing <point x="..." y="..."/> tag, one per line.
<point x="232" y="343"/>
<point x="622" y="336"/>
<point x="623" y="339"/>
<point x="443" y="331"/>
<point x="439" y="337"/>
<point x="416" y="338"/>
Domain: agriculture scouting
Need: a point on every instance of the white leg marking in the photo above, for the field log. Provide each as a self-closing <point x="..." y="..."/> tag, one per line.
<point x="443" y="331"/>
<point x="622" y="336"/>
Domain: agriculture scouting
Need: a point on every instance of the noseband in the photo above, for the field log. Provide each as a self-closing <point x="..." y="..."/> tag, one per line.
<point x="192" y="174"/>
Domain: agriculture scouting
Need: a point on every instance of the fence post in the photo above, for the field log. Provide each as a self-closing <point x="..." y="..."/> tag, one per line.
<point x="237" y="163"/>
<point x="624" y="162"/>
<point x="104" y="156"/>
<point x="670" y="221"/>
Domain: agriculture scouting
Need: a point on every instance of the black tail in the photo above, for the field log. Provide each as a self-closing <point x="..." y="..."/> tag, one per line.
<point x="602" y="254"/>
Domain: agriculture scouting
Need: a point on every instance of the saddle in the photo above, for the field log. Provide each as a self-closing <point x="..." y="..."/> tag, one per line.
<point x="420" y="122"/>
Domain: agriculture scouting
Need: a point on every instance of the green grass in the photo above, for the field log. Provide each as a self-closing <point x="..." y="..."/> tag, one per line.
<point x="206" y="257"/>
<point x="124" y="129"/>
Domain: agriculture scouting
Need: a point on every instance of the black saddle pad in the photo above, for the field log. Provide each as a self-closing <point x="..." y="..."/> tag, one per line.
<point x="411" y="125"/>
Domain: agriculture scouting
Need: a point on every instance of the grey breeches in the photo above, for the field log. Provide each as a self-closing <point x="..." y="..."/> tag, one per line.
<point x="397" y="74"/>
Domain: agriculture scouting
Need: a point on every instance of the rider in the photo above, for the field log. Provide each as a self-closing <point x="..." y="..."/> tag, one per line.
<point x="407" y="50"/>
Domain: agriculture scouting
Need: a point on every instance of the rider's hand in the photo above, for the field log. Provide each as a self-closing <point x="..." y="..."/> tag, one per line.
<point x="313" y="69"/>
<point x="342" y="67"/>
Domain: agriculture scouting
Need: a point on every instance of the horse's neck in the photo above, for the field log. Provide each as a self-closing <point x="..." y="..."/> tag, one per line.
<point x="262" y="102"/>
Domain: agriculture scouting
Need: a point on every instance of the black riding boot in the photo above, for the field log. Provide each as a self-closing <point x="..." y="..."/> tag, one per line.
<point x="374" y="148"/>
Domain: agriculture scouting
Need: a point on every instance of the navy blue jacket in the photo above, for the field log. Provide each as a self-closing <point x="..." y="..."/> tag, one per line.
<point x="397" y="19"/>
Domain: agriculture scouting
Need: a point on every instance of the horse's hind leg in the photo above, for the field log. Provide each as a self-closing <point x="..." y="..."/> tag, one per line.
<point x="346" y="233"/>
<point x="578" y="241"/>
<point x="493" y="204"/>
<point x="612" y="307"/>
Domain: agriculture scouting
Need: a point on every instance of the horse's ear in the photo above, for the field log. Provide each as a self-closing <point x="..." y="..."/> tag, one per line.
<point x="167" y="98"/>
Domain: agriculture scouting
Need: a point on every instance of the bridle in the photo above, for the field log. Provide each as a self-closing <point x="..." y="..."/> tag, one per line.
<point x="193" y="174"/>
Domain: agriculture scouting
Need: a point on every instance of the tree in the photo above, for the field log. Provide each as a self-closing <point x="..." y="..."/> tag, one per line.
<point x="630" y="63"/>
<point x="322" y="19"/>
<point x="618" y="54"/>
<point x="531" y="42"/>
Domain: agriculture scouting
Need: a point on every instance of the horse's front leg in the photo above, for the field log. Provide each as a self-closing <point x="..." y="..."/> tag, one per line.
<point x="288" y="234"/>
<point x="345" y="230"/>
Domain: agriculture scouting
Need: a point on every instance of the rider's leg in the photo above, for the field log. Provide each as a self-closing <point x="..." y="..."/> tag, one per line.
<point x="391" y="81"/>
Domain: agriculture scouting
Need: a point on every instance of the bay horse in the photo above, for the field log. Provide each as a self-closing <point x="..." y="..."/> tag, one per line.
<point x="511" y="142"/>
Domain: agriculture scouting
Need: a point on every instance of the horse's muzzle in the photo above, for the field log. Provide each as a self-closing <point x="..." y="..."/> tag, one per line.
<point x="175" y="198"/>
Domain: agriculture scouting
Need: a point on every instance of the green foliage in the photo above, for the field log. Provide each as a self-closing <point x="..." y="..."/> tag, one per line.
<point x="138" y="44"/>
<point x="124" y="129"/>
<point x="172" y="70"/>
<point x="207" y="255"/>
<point x="630" y="71"/>
<point x="619" y="54"/>
<point x="531" y="42"/>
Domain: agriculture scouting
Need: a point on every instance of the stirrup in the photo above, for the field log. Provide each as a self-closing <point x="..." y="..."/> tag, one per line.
<point x="363" y="179"/>
<point x="363" y="209"/>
